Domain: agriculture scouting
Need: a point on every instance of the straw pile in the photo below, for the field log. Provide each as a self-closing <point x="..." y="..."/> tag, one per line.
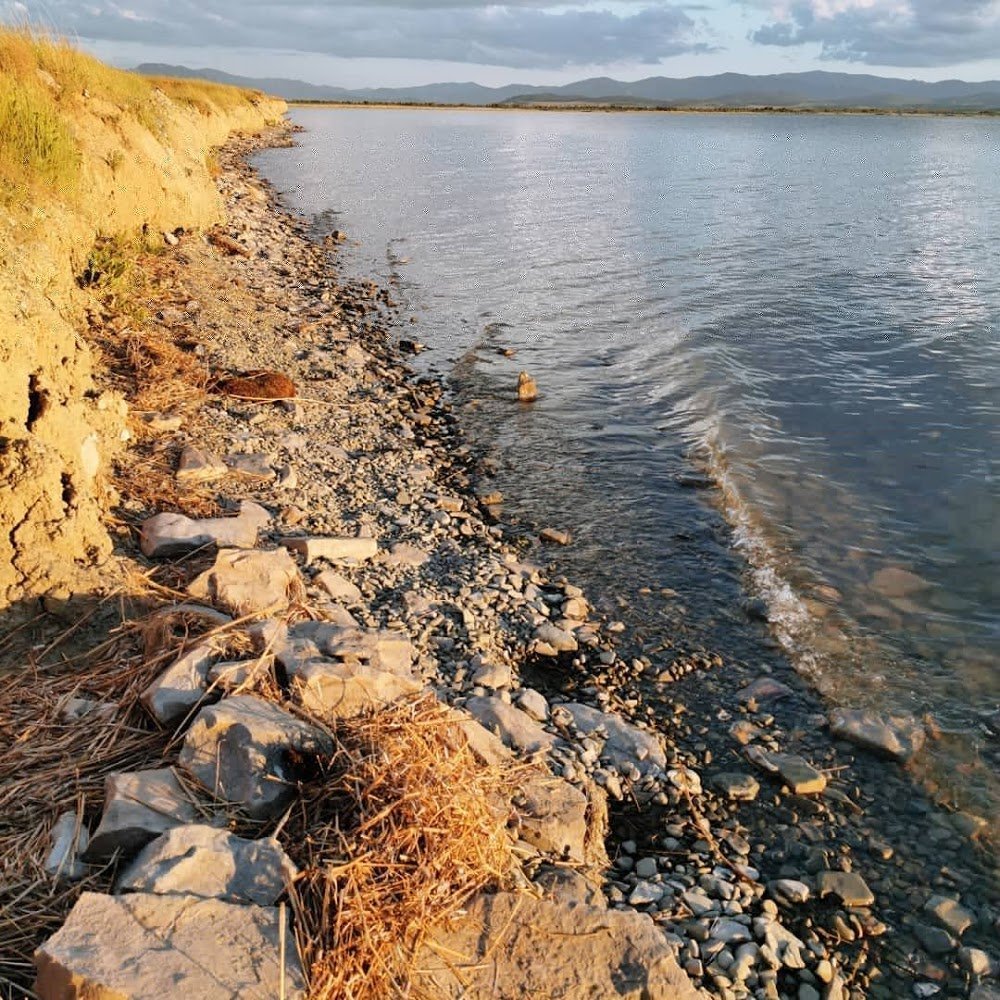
<point x="402" y="828"/>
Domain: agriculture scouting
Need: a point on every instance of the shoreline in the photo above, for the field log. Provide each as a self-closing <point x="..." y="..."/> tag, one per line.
<point x="370" y="450"/>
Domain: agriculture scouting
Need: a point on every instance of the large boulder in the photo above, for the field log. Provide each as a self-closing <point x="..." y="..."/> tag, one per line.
<point x="147" y="947"/>
<point x="247" y="582"/>
<point x="199" y="860"/>
<point x="138" y="807"/>
<point x="166" y="535"/>
<point x="343" y="690"/>
<point x="509" y="946"/>
<point x="895" y="736"/>
<point x="243" y="750"/>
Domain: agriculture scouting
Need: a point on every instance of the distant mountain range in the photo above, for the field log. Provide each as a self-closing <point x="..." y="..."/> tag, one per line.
<point x="729" y="90"/>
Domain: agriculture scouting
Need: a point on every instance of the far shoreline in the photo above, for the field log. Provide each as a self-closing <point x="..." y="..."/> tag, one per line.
<point x="627" y="109"/>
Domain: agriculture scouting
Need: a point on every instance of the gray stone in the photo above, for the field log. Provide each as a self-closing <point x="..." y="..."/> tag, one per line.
<point x="936" y="940"/>
<point x="344" y="690"/>
<point x="899" y="738"/>
<point x="553" y="817"/>
<point x="625" y="744"/>
<point x="730" y="931"/>
<point x="404" y="554"/>
<point x="199" y="860"/>
<point x="138" y="807"/>
<point x="255" y="466"/>
<point x="550" y="641"/>
<point x="534" y="703"/>
<point x="147" y="947"/>
<point x="849" y="887"/>
<point x="646" y="867"/>
<point x="645" y="893"/>
<point x="197" y="466"/>
<point x="950" y="914"/>
<point x="165" y="535"/>
<point x="786" y="890"/>
<point x="69" y="841"/>
<point x="338" y="587"/>
<point x="736" y="786"/>
<point x="240" y="751"/>
<point x="304" y="642"/>
<point x="796" y="772"/>
<point x="894" y="581"/>
<point x="249" y="582"/>
<point x="493" y="676"/>
<point x="180" y="687"/>
<point x="232" y="674"/>
<point x="515" y="728"/>
<point x="764" y="689"/>
<point x="334" y="550"/>
<point x="977" y="962"/>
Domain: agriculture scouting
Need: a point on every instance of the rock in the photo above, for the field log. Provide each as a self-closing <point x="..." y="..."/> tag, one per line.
<point x="333" y="691"/>
<point x="950" y="914"/>
<point x="347" y="550"/>
<point x="738" y="787"/>
<point x="404" y="554"/>
<point x="849" y="887"/>
<point x="382" y="650"/>
<point x="646" y="868"/>
<point x="894" y="737"/>
<point x="977" y="962"/>
<point x="147" y="947"/>
<point x="786" y="890"/>
<point x="796" y="772"/>
<point x="645" y="893"/>
<point x="254" y="466"/>
<point x="625" y="744"/>
<point x="527" y="388"/>
<point x="74" y="709"/>
<point x="515" y="728"/>
<point x="138" y="807"/>
<point x="554" y="536"/>
<point x="568" y="887"/>
<point x="241" y="750"/>
<point x="201" y="861"/>
<point x="69" y="841"/>
<point x="339" y="587"/>
<point x="936" y="940"/>
<point x="553" y="817"/>
<point x="180" y="687"/>
<point x="894" y="581"/>
<point x="229" y="675"/>
<point x="248" y="582"/>
<point x="764" y="689"/>
<point x="730" y="931"/>
<point x="165" y="535"/>
<point x="197" y="466"/>
<point x="508" y="946"/>
<point x="551" y="641"/>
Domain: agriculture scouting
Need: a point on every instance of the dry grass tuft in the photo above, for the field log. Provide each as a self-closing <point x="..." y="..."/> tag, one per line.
<point x="403" y="828"/>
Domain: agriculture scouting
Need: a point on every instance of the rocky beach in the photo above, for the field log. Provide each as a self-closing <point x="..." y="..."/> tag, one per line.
<point x="320" y="542"/>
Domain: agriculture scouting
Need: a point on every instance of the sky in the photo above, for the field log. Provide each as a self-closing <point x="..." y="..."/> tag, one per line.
<point x="410" y="42"/>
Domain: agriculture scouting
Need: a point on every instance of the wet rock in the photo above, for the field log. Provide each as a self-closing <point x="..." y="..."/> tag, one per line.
<point x="515" y="946"/>
<point x="624" y="743"/>
<point x="180" y="687"/>
<point x="138" y="807"/>
<point x="248" y="582"/>
<point x="849" y="887"/>
<point x="516" y="729"/>
<point x="894" y="581"/>
<point x="166" y="535"/>
<point x="245" y="750"/>
<point x="977" y="962"/>
<point x="333" y="691"/>
<point x="738" y="787"/>
<point x="146" y="947"/>
<point x="950" y="914"/>
<point x="334" y="550"/>
<point x="796" y="772"/>
<point x="202" y="861"/>
<point x="764" y="689"/>
<point x="894" y="737"/>
<point x="339" y="587"/>
<point x="74" y="709"/>
<point x="197" y="466"/>
<point x="69" y="841"/>
<point x="936" y="940"/>
<point x="554" y="536"/>
<point x="527" y="388"/>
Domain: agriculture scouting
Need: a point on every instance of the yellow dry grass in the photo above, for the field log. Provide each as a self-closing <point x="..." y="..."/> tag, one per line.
<point x="402" y="829"/>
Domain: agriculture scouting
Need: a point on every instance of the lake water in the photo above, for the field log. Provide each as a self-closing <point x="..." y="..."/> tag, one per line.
<point x="791" y="323"/>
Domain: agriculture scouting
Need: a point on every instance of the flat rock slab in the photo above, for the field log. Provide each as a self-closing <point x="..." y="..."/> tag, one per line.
<point x="138" y="807"/>
<point x="509" y="946"/>
<point x="333" y="691"/>
<point x="335" y="550"/>
<point x="736" y="786"/>
<point x="165" y="535"/>
<point x="148" y="947"/>
<point x="247" y="582"/>
<point x="950" y="914"/>
<point x="339" y="587"/>
<point x="896" y="737"/>
<point x="553" y="815"/>
<point x="200" y="860"/>
<point x="241" y="751"/>
<point x="69" y="840"/>
<point x="197" y="466"/>
<point x="180" y="687"/>
<point x="516" y="729"/>
<point x="304" y="642"/>
<point x="849" y="887"/>
<point x="796" y="772"/>
<point x="764" y="689"/>
<point x="624" y="743"/>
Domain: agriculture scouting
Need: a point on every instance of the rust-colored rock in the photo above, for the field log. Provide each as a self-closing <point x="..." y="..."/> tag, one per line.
<point x="259" y="385"/>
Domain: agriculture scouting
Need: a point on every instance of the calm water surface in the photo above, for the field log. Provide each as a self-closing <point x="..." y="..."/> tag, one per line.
<point x="802" y="310"/>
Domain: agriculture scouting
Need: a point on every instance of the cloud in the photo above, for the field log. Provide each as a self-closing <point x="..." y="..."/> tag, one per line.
<point x="888" y="32"/>
<point x="524" y="34"/>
